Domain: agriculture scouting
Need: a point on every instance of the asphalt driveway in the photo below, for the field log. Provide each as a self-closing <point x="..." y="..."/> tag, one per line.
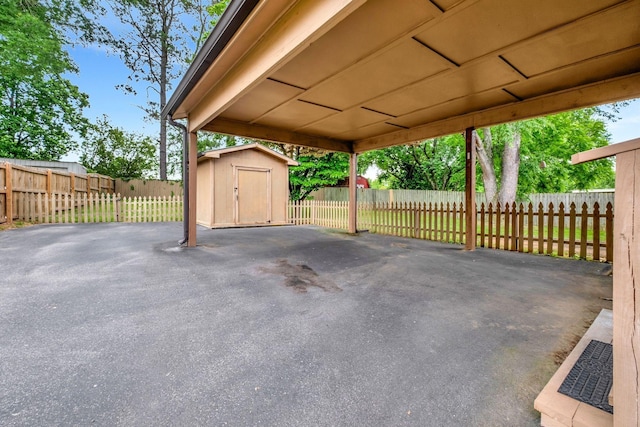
<point x="113" y="324"/>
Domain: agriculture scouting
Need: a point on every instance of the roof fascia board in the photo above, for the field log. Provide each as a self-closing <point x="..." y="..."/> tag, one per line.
<point x="305" y="22"/>
<point x="229" y="23"/>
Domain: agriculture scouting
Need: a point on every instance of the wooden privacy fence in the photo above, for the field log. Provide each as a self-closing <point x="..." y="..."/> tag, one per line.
<point x="148" y="188"/>
<point x="585" y="232"/>
<point x="65" y="208"/>
<point x="20" y="180"/>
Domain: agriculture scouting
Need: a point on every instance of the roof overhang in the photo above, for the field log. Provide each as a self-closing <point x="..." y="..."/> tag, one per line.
<point x="217" y="153"/>
<point x="356" y="75"/>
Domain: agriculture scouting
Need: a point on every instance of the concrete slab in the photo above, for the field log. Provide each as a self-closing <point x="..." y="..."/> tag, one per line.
<point x="113" y="324"/>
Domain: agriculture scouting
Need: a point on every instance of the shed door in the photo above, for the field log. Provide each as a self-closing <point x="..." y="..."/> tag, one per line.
<point x="253" y="202"/>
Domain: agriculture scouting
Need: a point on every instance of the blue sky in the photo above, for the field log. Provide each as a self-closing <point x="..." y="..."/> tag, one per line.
<point x="100" y="73"/>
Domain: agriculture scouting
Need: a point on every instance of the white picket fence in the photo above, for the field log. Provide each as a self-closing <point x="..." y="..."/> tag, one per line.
<point x="64" y="208"/>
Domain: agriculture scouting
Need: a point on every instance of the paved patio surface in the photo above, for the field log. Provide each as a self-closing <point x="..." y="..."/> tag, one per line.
<point x="113" y="324"/>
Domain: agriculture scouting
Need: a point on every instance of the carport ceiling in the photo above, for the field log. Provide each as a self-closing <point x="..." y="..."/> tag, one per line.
<point x="355" y="75"/>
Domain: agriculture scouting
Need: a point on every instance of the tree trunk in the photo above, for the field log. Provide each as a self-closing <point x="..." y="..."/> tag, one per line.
<point x="164" y="61"/>
<point x="484" y="151"/>
<point x="510" y="169"/>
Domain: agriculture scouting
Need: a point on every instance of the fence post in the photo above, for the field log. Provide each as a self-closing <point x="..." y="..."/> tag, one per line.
<point x="609" y="232"/>
<point x="561" y="229"/>
<point x="596" y="232"/>
<point x="584" y="223"/>
<point x="118" y="206"/>
<point x="520" y="242"/>
<point x="530" y="228"/>
<point x="9" y="193"/>
<point x="507" y="229"/>
<point x="49" y="179"/>
<point x="572" y="230"/>
<point x="490" y="240"/>
<point x="550" y="221"/>
<point x="541" y="228"/>
<point x="72" y="184"/>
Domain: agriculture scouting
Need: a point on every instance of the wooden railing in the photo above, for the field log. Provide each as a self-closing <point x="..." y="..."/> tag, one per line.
<point x="587" y="233"/>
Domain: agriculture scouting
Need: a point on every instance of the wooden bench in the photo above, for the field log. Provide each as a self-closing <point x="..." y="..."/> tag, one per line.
<point x="559" y="410"/>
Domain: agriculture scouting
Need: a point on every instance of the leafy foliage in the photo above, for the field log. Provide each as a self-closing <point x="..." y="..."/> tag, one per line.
<point x="39" y="109"/>
<point x="111" y="151"/>
<point x="206" y="141"/>
<point x="316" y="170"/>
<point x="158" y="42"/>
<point x="434" y="164"/>
<point x="547" y="144"/>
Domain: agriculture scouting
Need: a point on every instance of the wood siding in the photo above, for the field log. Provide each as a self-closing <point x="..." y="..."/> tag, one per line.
<point x="218" y="181"/>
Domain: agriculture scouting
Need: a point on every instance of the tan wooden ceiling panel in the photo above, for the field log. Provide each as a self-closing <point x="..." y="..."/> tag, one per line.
<point x="367" y="131"/>
<point x="294" y="115"/>
<point x="349" y="120"/>
<point x="446" y="4"/>
<point x="267" y="95"/>
<point x="391" y="70"/>
<point x="493" y="24"/>
<point x="421" y="68"/>
<point x="455" y="107"/>
<point x="578" y="42"/>
<point x="447" y="86"/>
<point x="604" y="67"/>
<point x="366" y="30"/>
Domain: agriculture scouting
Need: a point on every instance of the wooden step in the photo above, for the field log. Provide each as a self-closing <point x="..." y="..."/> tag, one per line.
<point x="559" y="410"/>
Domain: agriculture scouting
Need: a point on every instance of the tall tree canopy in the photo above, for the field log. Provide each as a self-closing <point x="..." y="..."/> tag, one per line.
<point x="515" y="159"/>
<point x="40" y="109"/>
<point x="159" y="40"/>
<point x="434" y="164"/>
<point x="109" y="150"/>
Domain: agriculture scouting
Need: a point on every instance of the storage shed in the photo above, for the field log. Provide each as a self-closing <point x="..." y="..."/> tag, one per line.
<point x="246" y="185"/>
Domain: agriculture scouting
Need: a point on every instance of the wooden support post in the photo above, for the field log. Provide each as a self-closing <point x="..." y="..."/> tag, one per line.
<point x="470" y="191"/>
<point x="626" y="290"/>
<point x="626" y="285"/>
<point x="193" y="174"/>
<point x="9" y="193"/>
<point x="353" y="193"/>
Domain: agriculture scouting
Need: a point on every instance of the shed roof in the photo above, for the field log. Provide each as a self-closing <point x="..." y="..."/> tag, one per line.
<point x="217" y="153"/>
<point x="354" y="75"/>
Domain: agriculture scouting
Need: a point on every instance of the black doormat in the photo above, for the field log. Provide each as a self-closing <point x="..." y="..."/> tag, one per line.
<point x="590" y="379"/>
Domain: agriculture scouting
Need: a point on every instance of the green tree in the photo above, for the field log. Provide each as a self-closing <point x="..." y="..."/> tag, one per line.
<point x="534" y="156"/>
<point x="515" y="159"/>
<point x="111" y="151"/>
<point x="40" y="110"/>
<point x="315" y="170"/>
<point x="434" y="164"/>
<point x="159" y="41"/>
<point x="206" y="141"/>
